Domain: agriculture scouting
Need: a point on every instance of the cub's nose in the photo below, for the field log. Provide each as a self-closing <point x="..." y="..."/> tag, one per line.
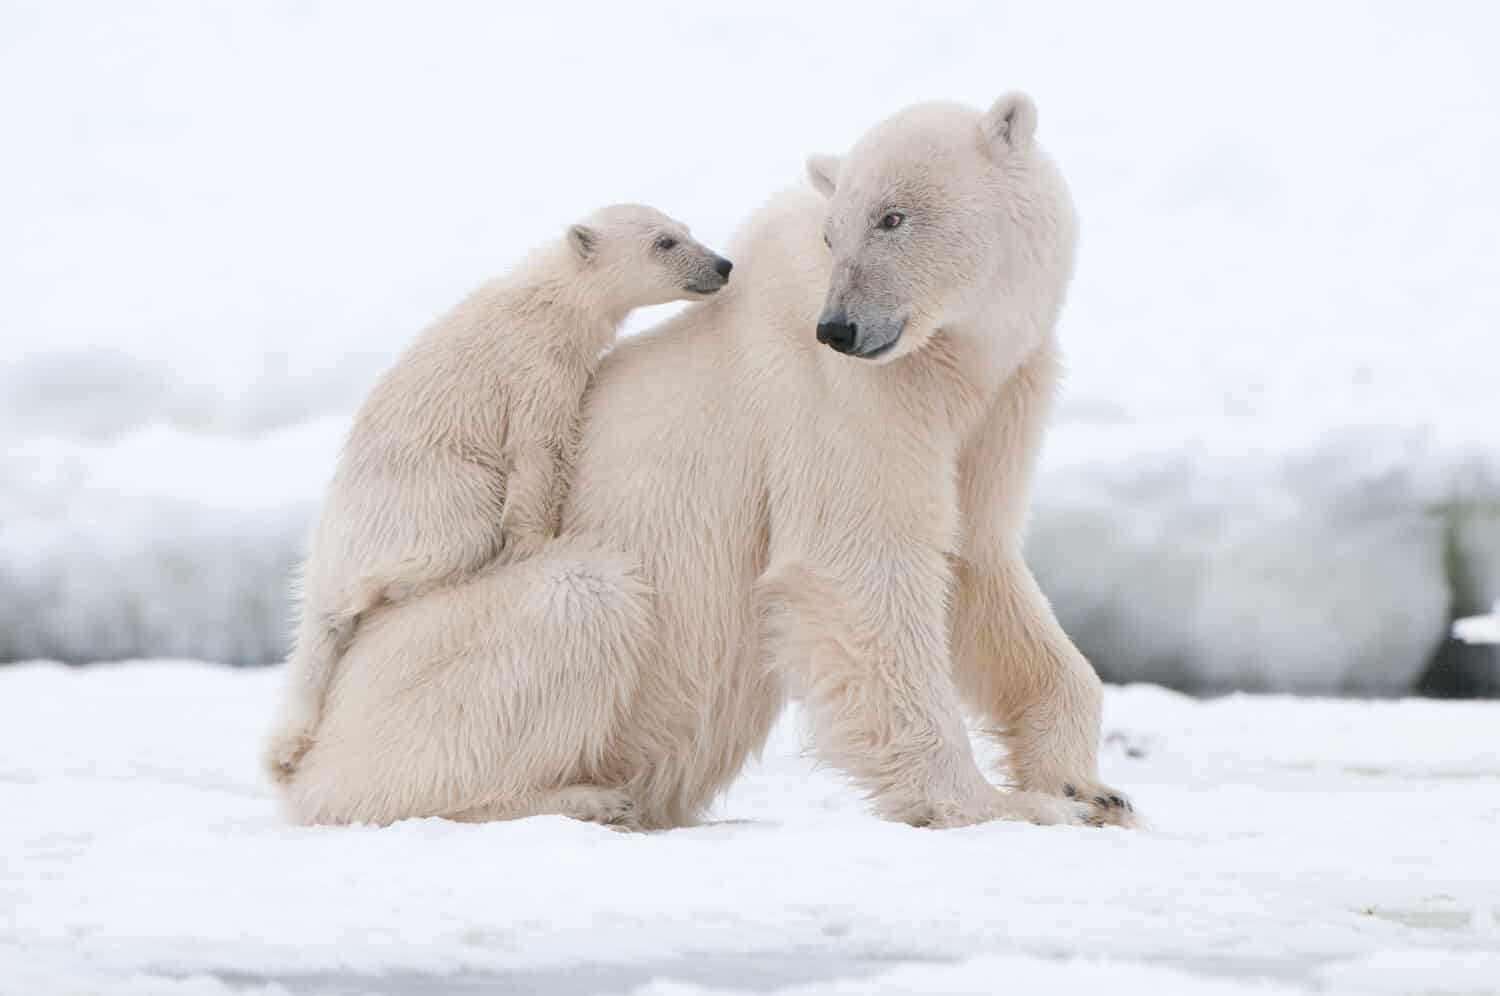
<point x="723" y="266"/>
<point x="837" y="334"/>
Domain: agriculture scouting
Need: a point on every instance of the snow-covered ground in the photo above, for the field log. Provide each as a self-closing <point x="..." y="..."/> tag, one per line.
<point x="1479" y="629"/>
<point x="1292" y="846"/>
<point x="1277" y="462"/>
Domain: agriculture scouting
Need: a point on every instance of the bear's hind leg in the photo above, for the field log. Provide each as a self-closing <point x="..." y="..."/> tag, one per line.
<point x="482" y="699"/>
<point x="321" y="640"/>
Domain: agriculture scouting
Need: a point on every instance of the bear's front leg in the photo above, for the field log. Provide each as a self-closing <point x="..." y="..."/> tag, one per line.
<point x="1015" y="665"/>
<point x="867" y="654"/>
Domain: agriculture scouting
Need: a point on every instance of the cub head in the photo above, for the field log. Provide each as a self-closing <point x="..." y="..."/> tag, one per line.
<point x="932" y="216"/>
<point x="640" y="257"/>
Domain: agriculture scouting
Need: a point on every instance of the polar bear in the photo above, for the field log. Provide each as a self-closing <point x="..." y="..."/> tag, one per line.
<point x="812" y="485"/>
<point x="460" y="454"/>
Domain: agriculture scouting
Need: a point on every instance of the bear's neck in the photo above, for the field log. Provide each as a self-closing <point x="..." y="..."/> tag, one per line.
<point x="569" y="301"/>
<point x="952" y="381"/>
<point x="1016" y="320"/>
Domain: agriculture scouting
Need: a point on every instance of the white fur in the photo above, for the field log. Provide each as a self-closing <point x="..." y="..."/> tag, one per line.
<point x="462" y="450"/>
<point x="753" y="515"/>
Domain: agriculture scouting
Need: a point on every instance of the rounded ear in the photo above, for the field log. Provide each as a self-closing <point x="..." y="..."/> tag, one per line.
<point x="1010" y="123"/>
<point x="583" y="240"/>
<point x="823" y="173"/>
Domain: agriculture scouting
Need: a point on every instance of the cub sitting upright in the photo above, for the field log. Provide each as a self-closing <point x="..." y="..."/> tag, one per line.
<point x="461" y="452"/>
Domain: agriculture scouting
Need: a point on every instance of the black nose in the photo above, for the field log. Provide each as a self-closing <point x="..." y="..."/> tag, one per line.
<point x="839" y="335"/>
<point x="723" y="266"/>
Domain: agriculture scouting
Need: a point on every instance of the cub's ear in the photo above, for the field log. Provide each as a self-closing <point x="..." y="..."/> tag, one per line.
<point x="1010" y="123"/>
<point x="583" y="240"/>
<point x="823" y="172"/>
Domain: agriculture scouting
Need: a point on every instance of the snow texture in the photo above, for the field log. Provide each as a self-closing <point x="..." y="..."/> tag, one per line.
<point x="1276" y="460"/>
<point x="1292" y="846"/>
<point x="1479" y="629"/>
<point x="1236" y="555"/>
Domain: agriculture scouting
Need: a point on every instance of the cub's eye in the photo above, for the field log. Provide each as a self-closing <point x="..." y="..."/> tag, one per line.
<point x="893" y="219"/>
<point x="666" y="242"/>
<point x="827" y="241"/>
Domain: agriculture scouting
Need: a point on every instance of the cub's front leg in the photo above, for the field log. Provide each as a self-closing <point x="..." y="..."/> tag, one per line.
<point x="532" y="500"/>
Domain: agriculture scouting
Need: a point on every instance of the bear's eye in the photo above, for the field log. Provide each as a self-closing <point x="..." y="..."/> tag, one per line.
<point x="827" y="241"/>
<point x="666" y="242"/>
<point x="892" y="219"/>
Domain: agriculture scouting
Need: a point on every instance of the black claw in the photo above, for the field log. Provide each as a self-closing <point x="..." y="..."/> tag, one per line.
<point x="1099" y="800"/>
<point x="1117" y="802"/>
<point x="1070" y="791"/>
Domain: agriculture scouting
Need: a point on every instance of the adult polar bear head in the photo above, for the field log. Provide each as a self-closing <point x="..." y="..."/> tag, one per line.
<point x="935" y="214"/>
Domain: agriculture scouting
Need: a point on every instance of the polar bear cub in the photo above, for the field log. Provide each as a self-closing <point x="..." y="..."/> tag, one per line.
<point x="461" y="452"/>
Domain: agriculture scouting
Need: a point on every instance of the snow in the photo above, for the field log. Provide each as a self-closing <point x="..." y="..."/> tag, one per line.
<point x="1323" y="565"/>
<point x="157" y="541"/>
<point x="1479" y="629"/>
<point x="1282" y="333"/>
<point x="1293" y="846"/>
